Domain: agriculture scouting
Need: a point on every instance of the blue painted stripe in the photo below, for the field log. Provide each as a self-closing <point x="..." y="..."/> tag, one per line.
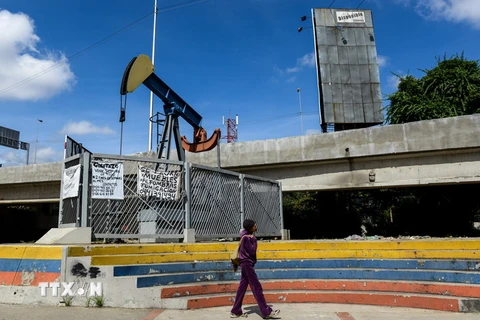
<point x="29" y="265"/>
<point x="170" y="268"/>
<point x="342" y="274"/>
<point x="121" y="271"/>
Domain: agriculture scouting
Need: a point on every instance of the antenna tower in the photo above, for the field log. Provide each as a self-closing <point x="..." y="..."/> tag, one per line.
<point x="232" y="131"/>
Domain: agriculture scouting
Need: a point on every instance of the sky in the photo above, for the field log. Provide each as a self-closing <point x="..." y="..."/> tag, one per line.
<point x="62" y="62"/>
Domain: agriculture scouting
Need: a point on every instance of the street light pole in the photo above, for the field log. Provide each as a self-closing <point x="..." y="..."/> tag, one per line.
<point x="36" y="142"/>
<point x="300" y="103"/>
<point x="150" y="123"/>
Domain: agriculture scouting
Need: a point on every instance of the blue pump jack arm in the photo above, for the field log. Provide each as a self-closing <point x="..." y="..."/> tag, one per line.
<point x="173" y="104"/>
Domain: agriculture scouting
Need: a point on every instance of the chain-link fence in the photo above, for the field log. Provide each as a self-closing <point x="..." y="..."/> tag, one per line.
<point x="134" y="197"/>
<point x="261" y="198"/>
<point x="147" y="208"/>
<point x="215" y="202"/>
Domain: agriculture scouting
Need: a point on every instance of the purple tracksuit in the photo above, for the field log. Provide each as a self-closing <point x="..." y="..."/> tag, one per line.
<point x="248" y="259"/>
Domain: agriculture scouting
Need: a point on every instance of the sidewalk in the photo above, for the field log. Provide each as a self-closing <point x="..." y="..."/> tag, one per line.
<point x="288" y="312"/>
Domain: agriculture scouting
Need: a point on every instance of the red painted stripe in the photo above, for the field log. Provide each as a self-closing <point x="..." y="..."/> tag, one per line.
<point x="153" y="314"/>
<point x="27" y="278"/>
<point x="345" y="316"/>
<point x="371" y="298"/>
<point x="458" y="290"/>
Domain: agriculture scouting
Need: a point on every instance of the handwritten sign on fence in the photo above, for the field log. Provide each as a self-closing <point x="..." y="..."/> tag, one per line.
<point x="163" y="185"/>
<point x="71" y="182"/>
<point x="107" y="180"/>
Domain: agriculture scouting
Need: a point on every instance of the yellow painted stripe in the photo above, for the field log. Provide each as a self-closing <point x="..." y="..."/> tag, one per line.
<point x="373" y="245"/>
<point x="93" y="250"/>
<point x="158" y="258"/>
<point x="371" y="254"/>
<point x="31" y="252"/>
<point x="282" y="255"/>
<point x="78" y="251"/>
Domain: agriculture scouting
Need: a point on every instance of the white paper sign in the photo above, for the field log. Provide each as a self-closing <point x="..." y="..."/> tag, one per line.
<point x="349" y="16"/>
<point x="107" y="180"/>
<point x="163" y="185"/>
<point x="71" y="182"/>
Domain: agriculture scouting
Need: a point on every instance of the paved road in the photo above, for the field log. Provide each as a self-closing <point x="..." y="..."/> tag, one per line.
<point x="288" y="312"/>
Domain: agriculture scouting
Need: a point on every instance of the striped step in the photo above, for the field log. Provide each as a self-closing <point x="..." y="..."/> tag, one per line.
<point x="280" y="250"/>
<point x="458" y="290"/>
<point x="151" y="258"/>
<point x="306" y="245"/>
<point x="391" y="299"/>
<point x="139" y="270"/>
<point x="441" y="276"/>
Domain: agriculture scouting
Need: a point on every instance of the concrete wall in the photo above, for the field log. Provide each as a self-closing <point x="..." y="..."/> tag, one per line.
<point x="415" y="137"/>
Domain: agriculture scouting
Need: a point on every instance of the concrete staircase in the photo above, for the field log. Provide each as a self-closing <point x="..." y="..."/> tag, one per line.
<point x="438" y="274"/>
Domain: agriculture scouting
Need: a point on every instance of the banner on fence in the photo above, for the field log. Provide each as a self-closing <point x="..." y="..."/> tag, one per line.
<point x="164" y="185"/>
<point x="71" y="182"/>
<point x="107" y="180"/>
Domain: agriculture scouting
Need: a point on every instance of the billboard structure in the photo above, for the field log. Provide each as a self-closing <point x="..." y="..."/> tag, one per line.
<point x="72" y="148"/>
<point x="11" y="138"/>
<point x="347" y="69"/>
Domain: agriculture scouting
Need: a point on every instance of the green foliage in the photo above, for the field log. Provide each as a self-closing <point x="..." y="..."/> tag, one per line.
<point x="451" y="88"/>
<point x="99" y="301"/>
<point x="68" y="300"/>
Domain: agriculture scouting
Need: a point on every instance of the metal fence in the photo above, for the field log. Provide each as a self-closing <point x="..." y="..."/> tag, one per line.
<point x="212" y="201"/>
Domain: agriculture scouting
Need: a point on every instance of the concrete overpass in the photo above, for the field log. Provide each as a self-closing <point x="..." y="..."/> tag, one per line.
<point x="435" y="152"/>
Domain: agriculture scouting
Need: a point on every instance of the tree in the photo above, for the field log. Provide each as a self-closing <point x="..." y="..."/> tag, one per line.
<point x="451" y="88"/>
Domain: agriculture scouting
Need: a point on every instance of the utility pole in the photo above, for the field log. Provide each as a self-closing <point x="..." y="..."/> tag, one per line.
<point x="300" y="103"/>
<point x="150" y="123"/>
<point x="36" y="142"/>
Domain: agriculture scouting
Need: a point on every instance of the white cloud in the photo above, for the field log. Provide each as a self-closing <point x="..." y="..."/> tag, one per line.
<point x="307" y="60"/>
<point x="382" y="61"/>
<point x="25" y="72"/>
<point x="12" y="158"/>
<point x="450" y="10"/>
<point x="84" y="128"/>
<point x="48" y="154"/>
<point x="293" y="70"/>
<point x="393" y="81"/>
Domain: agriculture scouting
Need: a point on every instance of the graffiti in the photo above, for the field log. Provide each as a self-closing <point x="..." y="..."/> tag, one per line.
<point x="94" y="271"/>
<point x="79" y="270"/>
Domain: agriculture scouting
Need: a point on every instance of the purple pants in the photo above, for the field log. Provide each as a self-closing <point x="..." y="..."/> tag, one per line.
<point x="249" y="277"/>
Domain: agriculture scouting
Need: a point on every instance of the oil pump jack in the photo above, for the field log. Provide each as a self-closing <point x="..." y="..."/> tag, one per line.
<point x="141" y="70"/>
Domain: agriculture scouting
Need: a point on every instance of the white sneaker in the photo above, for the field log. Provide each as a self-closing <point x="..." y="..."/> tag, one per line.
<point x="273" y="314"/>
<point x="243" y="315"/>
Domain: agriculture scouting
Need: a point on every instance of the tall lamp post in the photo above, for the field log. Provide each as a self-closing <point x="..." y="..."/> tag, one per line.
<point x="300" y="103"/>
<point x="36" y="142"/>
<point x="150" y="123"/>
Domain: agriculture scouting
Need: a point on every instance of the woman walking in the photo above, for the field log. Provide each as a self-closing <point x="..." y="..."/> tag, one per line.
<point x="248" y="258"/>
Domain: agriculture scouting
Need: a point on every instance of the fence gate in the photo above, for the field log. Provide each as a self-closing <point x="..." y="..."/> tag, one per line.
<point x="152" y="204"/>
<point x="136" y="197"/>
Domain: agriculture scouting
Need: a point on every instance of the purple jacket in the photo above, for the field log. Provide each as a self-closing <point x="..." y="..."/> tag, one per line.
<point x="248" y="248"/>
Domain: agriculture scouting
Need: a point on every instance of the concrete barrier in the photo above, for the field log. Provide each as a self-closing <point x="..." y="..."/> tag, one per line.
<point x="23" y="267"/>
